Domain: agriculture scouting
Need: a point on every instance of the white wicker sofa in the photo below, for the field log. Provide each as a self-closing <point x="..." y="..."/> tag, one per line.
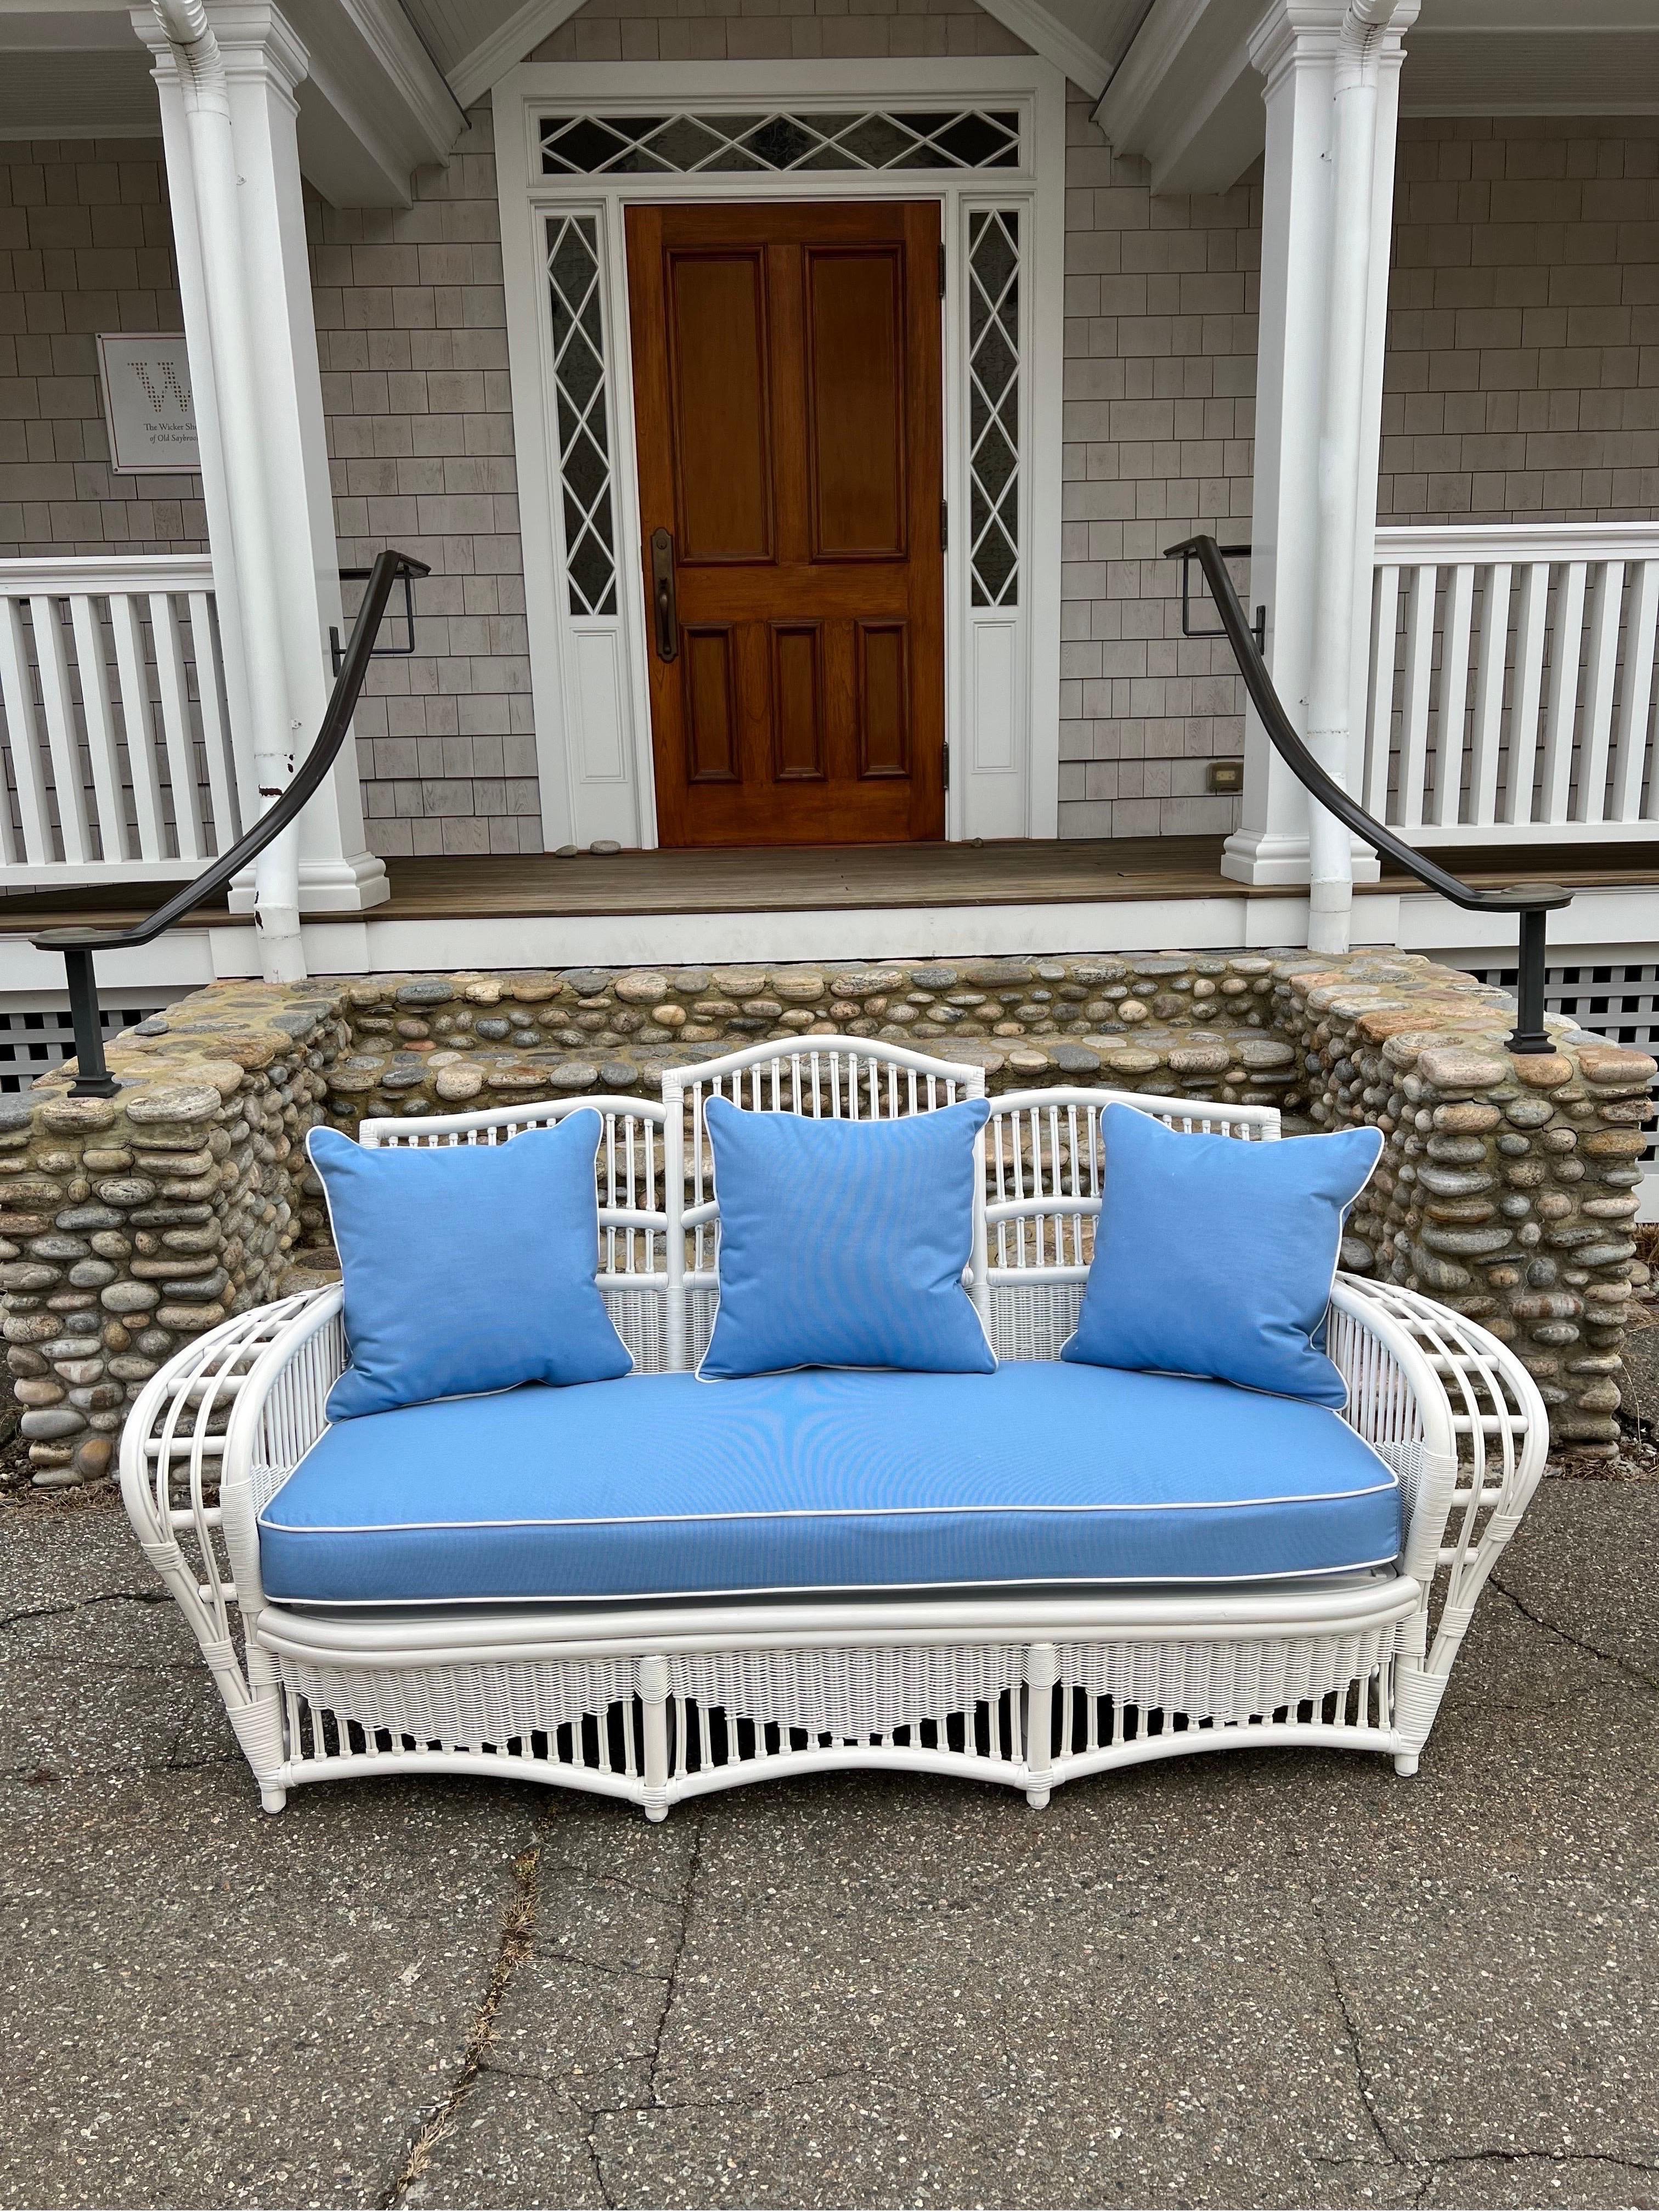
<point x="654" y="1701"/>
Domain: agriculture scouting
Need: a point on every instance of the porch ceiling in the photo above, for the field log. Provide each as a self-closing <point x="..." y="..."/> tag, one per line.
<point x="1185" y="99"/>
<point x="374" y="106"/>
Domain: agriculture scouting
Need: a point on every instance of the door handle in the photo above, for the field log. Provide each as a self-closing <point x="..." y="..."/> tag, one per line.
<point x="662" y="595"/>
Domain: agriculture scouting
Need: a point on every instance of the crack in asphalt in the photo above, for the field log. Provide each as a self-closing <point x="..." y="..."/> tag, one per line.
<point x="1397" y="2156"/>
<point x="512" y="1947"/>
<point x="84" y="1604"/>
<point x="653" y="2097"/>
<point x="1577" y="1643"/>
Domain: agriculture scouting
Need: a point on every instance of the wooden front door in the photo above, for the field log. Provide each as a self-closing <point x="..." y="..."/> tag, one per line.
<point x="787" y="393"/>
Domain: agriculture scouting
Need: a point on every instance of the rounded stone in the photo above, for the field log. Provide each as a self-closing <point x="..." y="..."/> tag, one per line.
<point x="618" y="1074"/>
<point x="1448" y="1068"/>
<point x="1133" y="1010"/>
<point x="803" y="989"/>
<point x="126" y="1190"/>
<point x="573" y="1075"/>
<point x="1542" y="1071"/>
<point x="73" y="1115"/>
<point x="1265" y="1052"/>
<point x="93" y="1455"/>
<point x="1076" y="1060"/>
<point x="47" y="1423"/>
<point x="1199" y="1060"/>
<point x="425" y="991"/>
<point x="640" y="987"/>
<point x="130" y="1298"/>
<point x="91" y="1275"/>
<point x="37" y="1390"/>
<point x="192" y="1102"/>
<point x="456" y="1084"/>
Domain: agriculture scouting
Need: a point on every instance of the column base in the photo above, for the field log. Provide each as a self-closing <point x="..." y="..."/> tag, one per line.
<point x="1278" y="858"/>
<point x="343" y="886"/>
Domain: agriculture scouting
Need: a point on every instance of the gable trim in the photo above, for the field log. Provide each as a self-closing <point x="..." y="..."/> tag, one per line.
<point x="477" y="72"/>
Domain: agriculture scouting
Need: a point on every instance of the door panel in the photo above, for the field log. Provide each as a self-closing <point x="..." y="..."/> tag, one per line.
<point x="797" y="690"/>
<point x="884" y="701"/>
<point x="787" y="395"/>
<point x="718" y="362"/>
<point x="855" y="403"/>
<point x="711" y="706"/>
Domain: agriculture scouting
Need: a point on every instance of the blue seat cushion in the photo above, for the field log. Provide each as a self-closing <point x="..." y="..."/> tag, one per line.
<point x="661" y="1486"/>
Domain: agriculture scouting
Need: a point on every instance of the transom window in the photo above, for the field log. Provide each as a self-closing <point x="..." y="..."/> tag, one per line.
<point x="880" y="138"/>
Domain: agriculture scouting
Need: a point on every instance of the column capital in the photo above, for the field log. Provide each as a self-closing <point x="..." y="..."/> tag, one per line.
<point x="256" y="41"/>
<point x="1301" y="34"/>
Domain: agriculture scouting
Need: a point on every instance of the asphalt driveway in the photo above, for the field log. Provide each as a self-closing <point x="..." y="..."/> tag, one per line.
<point x="1280" y="1979"/>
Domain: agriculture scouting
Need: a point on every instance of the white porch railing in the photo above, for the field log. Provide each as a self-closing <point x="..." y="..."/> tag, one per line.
<point x="116" y="738"/>
<point x="1511" y="694"/>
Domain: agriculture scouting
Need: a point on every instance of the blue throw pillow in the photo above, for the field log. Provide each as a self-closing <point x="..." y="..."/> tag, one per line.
<point x="467" y="1267"/>
<point x="842" y="1243"/>
<point x="1215" y="1257"/>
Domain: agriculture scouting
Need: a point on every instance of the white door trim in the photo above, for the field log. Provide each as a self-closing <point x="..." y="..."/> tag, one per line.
<point x="588" y="673"/>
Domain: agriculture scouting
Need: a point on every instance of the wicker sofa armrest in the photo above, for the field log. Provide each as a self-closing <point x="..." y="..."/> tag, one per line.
<point x="1499" y="1439"/>
<point x="188" y="1460"/>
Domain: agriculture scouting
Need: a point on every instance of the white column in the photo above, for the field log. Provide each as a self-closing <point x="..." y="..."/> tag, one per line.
<point x="263" y="63"/>
<point x="1294" y="47"/>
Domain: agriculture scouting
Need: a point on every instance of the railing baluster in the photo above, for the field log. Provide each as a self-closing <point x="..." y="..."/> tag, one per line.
<point x="216" y="736"/>
<point x="132" y="678"/>
<point x="1589" y="804"/>
<point x="1489" y="695"/>
<point x="1530" y="619"/>
<point x="1631" y="757"/>
<point x="1566" y="659"/>
<point x="57" y="703"/>
<point x="99" y="722"/>
<point x="23" y="739"/>
<point x="1385" y="617"/>
<point x="1415" y="706"/>
<point x="175" y="725"/>
<point x="1454" y="695"/>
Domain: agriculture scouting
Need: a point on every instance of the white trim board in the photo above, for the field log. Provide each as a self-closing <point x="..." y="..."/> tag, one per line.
<point x="589" y="674"/>
<point x="1605" y="924"/>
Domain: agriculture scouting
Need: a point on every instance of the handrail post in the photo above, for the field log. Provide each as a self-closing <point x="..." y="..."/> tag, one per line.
<point x="1531" y="903"/>
<point x="91" y="1077"/>
<point x="94" y="1079"/>
<point x="1529" y="1034"/>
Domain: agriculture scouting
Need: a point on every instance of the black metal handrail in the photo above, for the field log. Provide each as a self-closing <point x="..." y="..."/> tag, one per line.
<point x="1531" y="903"/>
<point x="93" y="1078"/>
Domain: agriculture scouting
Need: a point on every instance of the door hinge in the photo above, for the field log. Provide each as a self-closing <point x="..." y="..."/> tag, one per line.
<point x="944" y="526"/>
<point x="947" y="766"/>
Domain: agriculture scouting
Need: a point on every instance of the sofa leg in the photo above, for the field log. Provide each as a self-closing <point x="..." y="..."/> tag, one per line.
<point x="1405" y="1762"/>
<point x="271" y="1799"/>
<point x="1042" y="1673"/>
<point x="651" y="1679"/>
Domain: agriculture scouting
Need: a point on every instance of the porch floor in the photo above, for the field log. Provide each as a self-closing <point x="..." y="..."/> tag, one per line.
<point x="829" y="879"/>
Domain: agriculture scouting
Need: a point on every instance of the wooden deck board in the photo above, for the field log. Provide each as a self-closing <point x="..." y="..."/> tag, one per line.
<point x="1034" y="872"/>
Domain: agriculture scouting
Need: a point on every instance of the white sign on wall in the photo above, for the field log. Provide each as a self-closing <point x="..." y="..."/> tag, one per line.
<point x="147" y="404"/>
